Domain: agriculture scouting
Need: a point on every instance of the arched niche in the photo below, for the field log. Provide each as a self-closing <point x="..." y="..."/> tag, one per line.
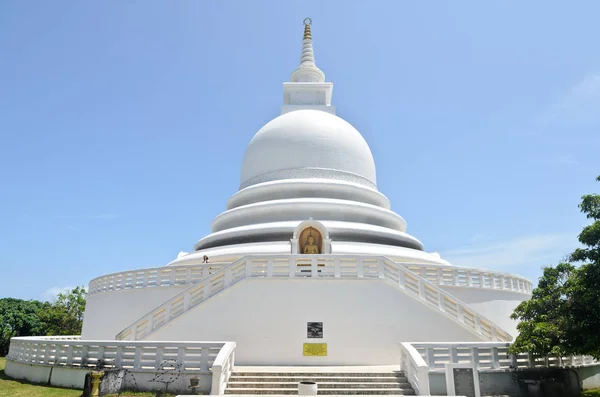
<point x="311" y="228"/>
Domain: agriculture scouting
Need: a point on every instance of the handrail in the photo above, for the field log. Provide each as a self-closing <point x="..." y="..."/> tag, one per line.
<point x="222" y="369"/>
<point x="415" y="369"/>
<point x="316" y="266"/>
<point x="144" y="356"/>
<point x="163" y="276"/>
<point x="454" y="276"/>
<point x="443" y="275"/>
<point x="489" y="355"/>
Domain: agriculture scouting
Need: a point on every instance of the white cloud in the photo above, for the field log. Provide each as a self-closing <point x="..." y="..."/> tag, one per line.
<point x="51" y="293"/>
<point x="534" y="250"/>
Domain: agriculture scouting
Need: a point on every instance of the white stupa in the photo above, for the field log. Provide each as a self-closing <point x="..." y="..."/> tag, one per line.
<point x="309" y="173"/>
<point x="308" y="265"/>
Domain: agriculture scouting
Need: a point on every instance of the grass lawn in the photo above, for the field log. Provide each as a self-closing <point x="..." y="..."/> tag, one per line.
<point x="16" y="388"/>
<point x="592" y="393"/>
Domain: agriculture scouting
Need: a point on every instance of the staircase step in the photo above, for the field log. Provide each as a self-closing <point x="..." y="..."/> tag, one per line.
<point x="397" y="391"/>
<point x="321" y="374"/>
<point x="322" y="385"/>
<point x="317" y="378"/>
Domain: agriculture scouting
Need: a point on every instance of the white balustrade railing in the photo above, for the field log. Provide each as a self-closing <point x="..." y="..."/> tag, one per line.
<point x="415" y="369"/>
<point x="315" y="266"/>
<point x="489" y="355"/>
<point x="222" y="369"/>
<point x="164" y="276"/>
<point x="167" y="276"/>
<point x="196" y="357"/>
<point x="455" y="276"/>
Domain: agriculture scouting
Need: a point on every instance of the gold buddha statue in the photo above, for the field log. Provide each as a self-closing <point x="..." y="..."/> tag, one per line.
<point x="311" y="248"/>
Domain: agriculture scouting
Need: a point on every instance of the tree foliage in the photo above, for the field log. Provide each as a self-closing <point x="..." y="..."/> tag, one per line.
<point x="563" y="315"/>
<point x="65" y="314"/>
<point x="20" y="317"/>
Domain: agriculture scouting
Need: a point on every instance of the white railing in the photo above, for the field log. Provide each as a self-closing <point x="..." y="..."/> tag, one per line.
<point x="164" y="276"/>
<point x="415" y="369"/>
<point x="222" y="369"/>
<point x="167" y="276"/>
<point x="471" y="277"/>
<point x="196" y="357"/>
<point x="315" y="266"/>
<point x="489" y="355"/>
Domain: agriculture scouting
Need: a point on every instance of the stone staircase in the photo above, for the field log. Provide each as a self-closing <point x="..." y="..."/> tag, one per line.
<point x="338" y="383"/>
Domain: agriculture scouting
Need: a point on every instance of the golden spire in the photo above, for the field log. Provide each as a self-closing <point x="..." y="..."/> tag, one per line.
<point x="307" y="22"/>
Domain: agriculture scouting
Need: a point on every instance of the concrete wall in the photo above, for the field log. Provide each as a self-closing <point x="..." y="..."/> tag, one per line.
<point x="497" y="305"/>
<point x="589" y="377"/>
<point x="74" y="378"/>
<point x="108" y="313"/>
<point x="46" y="374"/>
<point x="528" y="382"/>
<point x="363" y="321"/>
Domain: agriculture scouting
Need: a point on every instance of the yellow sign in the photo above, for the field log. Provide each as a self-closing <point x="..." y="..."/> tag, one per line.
<point x="315" y="349"/>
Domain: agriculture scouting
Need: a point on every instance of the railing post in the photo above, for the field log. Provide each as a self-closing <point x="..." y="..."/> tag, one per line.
<point x="188" y="276"/>
<point x="453" y="355"/>
<point x="248" y="268"/>
<point x="380" y="268"/>
<point x="359" y="268"/>
<point x="401" y="278"/>
<point x="495" y="358"/>
<point x="181" y="356"/>
<point x="336" y="268"/>
<point x="119" y="356"/>
<point x="227" y="282"/>
<point x="269" y="267"/>
<point x="168" y="312"/>
<point x="440" y="277"/>
<point x="469" y="279"/>
<point x="530" y="360"/>
<point x="430" y="358"/>
<point x="186" y="304"/>
<point x="70" y="355"/>
<point x="475" y="357"/>
<point x="204" y="358"/>
<point x="421" y="289"/>
<point x="514" y="361"/>
<point x="313" y="267"/>
<point x="158" y="357"/>
<point x="441" y="302"/>
<point x="292" y="267"/>
<point x="136" y="357"/>
<point x="477" y="324"/>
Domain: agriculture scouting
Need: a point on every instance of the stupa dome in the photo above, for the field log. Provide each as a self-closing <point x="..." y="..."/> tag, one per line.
<point x="308" y="144"/>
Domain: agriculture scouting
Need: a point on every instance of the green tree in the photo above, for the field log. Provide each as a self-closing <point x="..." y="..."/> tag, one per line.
<point x="563" y="315"/>
<point x="20" y="318"/>
<point x="64" y="316"/>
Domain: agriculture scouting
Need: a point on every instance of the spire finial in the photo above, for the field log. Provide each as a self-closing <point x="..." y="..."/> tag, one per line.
<point x="307" y="22"/>
<point x="307" y="71"/>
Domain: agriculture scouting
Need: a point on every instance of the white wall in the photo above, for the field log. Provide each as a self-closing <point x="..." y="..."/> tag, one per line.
<point x="363" y="321"/>
<point x="108" y="313"/>
<point x="497" y="305"/>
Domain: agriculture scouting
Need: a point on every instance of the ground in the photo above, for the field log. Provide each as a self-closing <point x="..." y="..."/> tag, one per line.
<point x="16" y="388"/>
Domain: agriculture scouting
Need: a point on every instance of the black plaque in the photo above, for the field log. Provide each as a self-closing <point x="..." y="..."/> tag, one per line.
<point x="314" y="330"/>
<point x="464" y="382"/>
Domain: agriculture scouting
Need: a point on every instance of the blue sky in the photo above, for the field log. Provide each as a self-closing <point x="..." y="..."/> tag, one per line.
<point x="123" y="123"/>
